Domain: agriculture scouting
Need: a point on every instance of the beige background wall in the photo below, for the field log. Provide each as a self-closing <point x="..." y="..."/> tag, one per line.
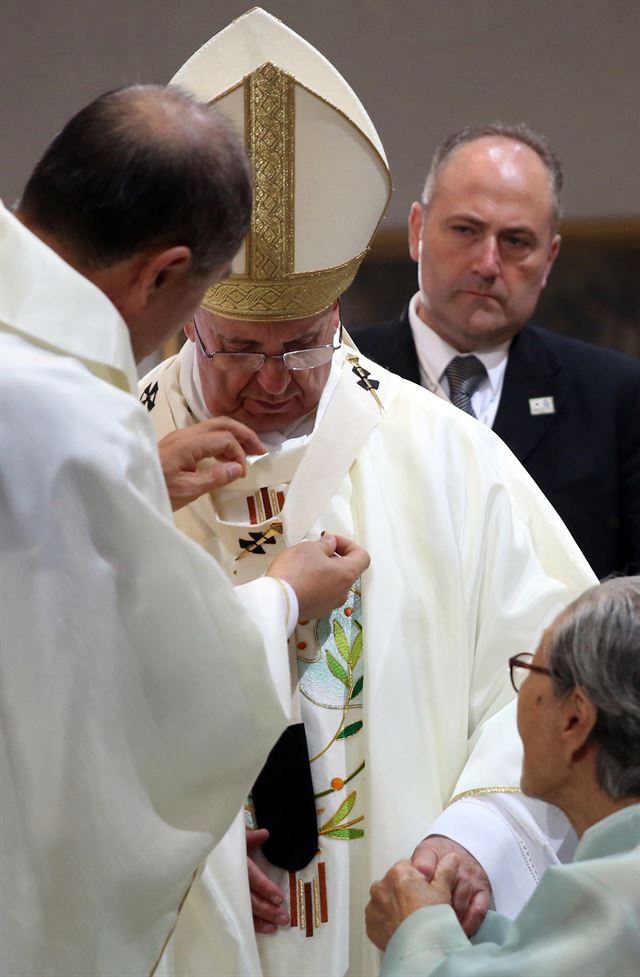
<point x="421" y="67"/>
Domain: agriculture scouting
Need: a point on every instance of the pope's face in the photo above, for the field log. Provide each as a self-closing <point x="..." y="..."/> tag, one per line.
<point x="273" y="397"/>
<point x="484" y="243"/>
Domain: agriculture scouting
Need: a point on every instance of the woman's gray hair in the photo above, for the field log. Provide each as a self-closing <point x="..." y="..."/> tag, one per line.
<point x="596" y="645"/>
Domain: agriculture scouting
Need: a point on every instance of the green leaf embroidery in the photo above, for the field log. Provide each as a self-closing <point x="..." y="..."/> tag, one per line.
<point x="356" y="650"/>
<point x="340" y="639"/>
<point x="343" y="811"/>
<point x="346" y="833"/>
<point x="357" y="689"/>
<point x="349" y="730"/>
<point x="336" y="669"/>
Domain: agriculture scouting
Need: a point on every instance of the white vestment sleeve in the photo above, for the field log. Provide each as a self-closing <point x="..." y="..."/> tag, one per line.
<point x="264" y="608"/>
<point x="502" y="831"/>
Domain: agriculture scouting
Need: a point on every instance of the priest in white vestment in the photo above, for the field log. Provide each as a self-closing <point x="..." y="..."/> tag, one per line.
<point x="404" y="691"/>
<point x="579" y="718"/>
<point x="138" y="698"/>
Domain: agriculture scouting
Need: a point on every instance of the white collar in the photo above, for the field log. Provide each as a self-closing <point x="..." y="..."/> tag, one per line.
<point x="54" y="306"/>
<point x="434" y="354"/>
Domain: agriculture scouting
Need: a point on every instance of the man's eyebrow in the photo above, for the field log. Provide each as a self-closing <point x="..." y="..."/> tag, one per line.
<point x="477" y="222"/>
<point x="240" y="340"/>
<point x="294" y="343"/>
<point x="304" y="339"/>
<point x="518" y="229"/>
<point x="467" y="218"/>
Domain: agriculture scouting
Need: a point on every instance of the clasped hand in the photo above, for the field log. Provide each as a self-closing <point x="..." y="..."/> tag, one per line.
<point x="441" y="872"/>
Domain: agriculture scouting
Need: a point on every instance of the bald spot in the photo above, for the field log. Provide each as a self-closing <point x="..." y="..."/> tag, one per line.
<point x="500" y="172"/>
<point x="161" y="117"/>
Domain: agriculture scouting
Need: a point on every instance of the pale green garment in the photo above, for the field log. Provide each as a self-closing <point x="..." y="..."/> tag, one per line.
<point x="583" y="919"/>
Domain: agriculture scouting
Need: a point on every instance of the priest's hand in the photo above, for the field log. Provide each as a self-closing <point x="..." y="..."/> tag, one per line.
<point x="321" y="581"/>
<point x="403" y="890"/>
<point x="205" y="457"/>
<point x="473" y="889"/>
<point x="266" y="897"/>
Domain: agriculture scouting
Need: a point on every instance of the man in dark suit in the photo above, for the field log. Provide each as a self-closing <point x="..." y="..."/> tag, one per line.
<point x="485" y="236"/>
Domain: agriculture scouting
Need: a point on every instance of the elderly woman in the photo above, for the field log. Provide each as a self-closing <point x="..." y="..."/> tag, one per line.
<point x="579" y="720"/>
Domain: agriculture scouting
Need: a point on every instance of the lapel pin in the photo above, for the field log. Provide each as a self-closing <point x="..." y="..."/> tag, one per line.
<point x="541" y="405"/>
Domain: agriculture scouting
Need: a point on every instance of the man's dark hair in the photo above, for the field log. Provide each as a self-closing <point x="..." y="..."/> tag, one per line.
<point x="141" y="167"/>
<point x="518" y="133"/>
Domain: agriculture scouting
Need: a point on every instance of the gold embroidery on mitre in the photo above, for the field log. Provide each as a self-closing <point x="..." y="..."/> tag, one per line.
<point x="270" y="134"/>
<point x="295" y="297"/>
<point x="484" y="790"/>
<point x="270" y="289"/>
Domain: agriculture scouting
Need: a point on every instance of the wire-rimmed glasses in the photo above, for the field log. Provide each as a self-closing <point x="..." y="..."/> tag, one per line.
<point x="295" y="359"/>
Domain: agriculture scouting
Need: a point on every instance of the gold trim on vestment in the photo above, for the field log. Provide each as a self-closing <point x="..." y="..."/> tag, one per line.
<point x="287" y="600"/>
<point x="484" y="790"/>
<point x="294" y="297"/>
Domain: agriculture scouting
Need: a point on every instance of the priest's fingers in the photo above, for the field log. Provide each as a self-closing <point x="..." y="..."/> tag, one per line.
<point x="356" y="558"/>
<point x="216" y="426"/>
<point x="262" y="886"/>
<point x="188" y="471"/>
<point x="266" y="901"/>
<point x="348" y="549"/>
<point x="476" y="911"/>
<point x="462" y="898"/>
<point x="185" y="487"/>
<point x="320" y="581"/>
<point x="256" y="837"/>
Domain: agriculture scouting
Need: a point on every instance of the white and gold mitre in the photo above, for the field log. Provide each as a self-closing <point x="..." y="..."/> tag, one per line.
<point x="321" y="179"/>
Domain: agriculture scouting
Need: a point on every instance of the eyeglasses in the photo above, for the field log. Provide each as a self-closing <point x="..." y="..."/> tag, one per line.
<point x="295" y="359"/>
<point x="520" y="666"/>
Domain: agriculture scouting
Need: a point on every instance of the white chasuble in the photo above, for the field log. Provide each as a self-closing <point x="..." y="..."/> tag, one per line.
<point x="403" y="689"/>
<point x="138" y="701"/>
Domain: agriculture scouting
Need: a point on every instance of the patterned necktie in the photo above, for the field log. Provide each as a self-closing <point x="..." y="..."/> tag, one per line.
<point x="465" y="374"/>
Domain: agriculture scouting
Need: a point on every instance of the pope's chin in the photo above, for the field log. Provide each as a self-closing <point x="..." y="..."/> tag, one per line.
<point x="263" y="417"/>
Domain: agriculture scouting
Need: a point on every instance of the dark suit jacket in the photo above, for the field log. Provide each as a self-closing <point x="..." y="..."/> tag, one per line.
<point x="586" y="456"/>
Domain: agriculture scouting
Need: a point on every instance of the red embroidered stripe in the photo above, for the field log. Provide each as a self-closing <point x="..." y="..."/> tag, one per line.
<point x="322" y="879"/>
<point x="280" y="498"/>
<point x="293" y="898"/>
<point x="266" y="501"/>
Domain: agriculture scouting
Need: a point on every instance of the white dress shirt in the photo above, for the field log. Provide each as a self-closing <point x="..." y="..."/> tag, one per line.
<point x="434" y="356"/>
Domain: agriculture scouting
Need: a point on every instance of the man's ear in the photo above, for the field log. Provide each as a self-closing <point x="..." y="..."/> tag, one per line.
<point x="160" y="271"/>
<point x="578" y="718"/>
<point x="553" y="254"/>
<point x="416" y="218"/>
